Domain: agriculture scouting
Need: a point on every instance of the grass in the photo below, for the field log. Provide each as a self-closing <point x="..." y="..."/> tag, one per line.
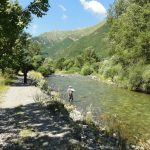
<point x="26" y="133"/>
<point x="3" y="86"/>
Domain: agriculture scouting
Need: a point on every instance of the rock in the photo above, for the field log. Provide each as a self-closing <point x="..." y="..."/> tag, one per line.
<point x="73" y="141"/>
<point x="45" y="144"/>
<point x="76" y="115"/>
<point x="148" y="141"/>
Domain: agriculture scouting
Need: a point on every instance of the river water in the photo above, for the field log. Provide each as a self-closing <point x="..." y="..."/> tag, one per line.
<point x="130" y="107"/>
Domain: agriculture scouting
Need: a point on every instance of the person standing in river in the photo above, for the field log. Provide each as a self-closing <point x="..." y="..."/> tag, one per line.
<point x="70" y="91"/>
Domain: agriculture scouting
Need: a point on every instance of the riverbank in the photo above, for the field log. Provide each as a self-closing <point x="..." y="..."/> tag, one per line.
<point x="27" y="124"/>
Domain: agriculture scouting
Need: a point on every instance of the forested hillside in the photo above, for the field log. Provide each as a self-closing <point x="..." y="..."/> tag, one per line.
<point x="70" y="43"/>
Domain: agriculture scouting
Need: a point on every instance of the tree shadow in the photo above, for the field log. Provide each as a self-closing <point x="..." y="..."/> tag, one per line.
<point x="18" y="81"/>
<point x="48" y="130"/>
<point x="37" y="127"/>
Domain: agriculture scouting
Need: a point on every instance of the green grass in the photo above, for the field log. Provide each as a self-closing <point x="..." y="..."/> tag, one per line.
<point x="26" y="133"/>
<point x="3" y="86"/>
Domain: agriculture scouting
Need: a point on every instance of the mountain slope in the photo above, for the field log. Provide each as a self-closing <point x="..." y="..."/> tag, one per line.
<point x="96" y="40"/>
<point x="71" y="43"/>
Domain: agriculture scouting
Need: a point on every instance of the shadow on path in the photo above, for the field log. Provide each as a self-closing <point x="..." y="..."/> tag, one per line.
<point x="46" y="130"/>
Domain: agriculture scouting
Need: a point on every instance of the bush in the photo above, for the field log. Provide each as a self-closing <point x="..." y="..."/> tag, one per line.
<point x="95" y="67"/>
<point x="34" y="77"/>
<point x="146" y="79"/>
<point x="9" y="73"/>
<point x="86" y="70"/>
<point x="73" y="70"/>
<point x="45" y="70"/>
<point x="135" y="78"/>
<point x="43" y="85"/>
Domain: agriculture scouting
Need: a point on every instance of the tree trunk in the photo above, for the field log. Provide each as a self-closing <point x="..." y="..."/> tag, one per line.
<point x="25" y="76"/>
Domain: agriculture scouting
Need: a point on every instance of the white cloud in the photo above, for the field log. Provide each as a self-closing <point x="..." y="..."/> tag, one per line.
<point x="64" y="17"/>
<point x="94" y="6"/>
<point x="62" y="7"/>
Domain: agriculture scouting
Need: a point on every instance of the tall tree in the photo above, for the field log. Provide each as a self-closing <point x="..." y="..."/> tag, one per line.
<point x="26" y="55"/>
<point x="129" y="34"/>
<point x="13" y="20"/>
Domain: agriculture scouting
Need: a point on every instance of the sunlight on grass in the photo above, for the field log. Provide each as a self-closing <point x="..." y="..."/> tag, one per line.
<point x="3" y="87"/>
<point x="26" y="133"/>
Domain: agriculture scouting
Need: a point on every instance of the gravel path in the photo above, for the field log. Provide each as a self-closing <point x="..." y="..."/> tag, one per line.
<point x="24" y="124"/>
<point x="19" y="95"/>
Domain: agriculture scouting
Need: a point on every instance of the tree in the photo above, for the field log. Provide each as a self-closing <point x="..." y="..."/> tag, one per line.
<point x="129" y="40"/>
<point x="117" y="9"/>
<point x="60" y="63"/>
<point x="89" y="55"/>
<point x="79" y="61"/>
<point x="24" y="54"/>
<point x="12" y="23"/>
<point x="130" y="33"/>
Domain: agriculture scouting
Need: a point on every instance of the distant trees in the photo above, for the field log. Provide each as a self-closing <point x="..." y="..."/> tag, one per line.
<point x="85" y="63"/>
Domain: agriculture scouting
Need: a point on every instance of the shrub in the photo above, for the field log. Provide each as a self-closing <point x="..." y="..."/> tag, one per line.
<point x="146" y="79"/>
<point x="46" y="70"/>
<point x="88" y="117"/>
<point x="34" y="77"/>
<point x="73" y="70"/>
<point x="95" y="66"/>
<point x="86" y="70"/>
<point x="9" y="73"/>
<point x="135" y="78"/>
<point x="43" y="85"/>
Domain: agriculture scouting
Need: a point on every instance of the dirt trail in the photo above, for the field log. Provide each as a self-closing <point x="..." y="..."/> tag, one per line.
<point x="19" y="95"/>
<point x="24" y="124"/>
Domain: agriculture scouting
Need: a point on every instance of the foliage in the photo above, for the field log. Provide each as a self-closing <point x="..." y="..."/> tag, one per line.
<point x="43" y="85"/>
<point x="35" y="77"/>
<point x="86" y="70"/>
<point x="27" y="55"/>
<point x="129" y="44"/>
<point x="9" y="73"/>
<point x="46" y="67"/>
<point x="85" y="63"/>
<point x="59" y="64"/>
<point x="14" y="19"/>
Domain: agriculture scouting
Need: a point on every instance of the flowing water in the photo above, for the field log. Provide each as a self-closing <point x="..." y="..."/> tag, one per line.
<point x="131" y="107"/>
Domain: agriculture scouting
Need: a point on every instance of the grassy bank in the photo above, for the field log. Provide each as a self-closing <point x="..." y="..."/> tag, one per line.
<point x="3" y="86"/>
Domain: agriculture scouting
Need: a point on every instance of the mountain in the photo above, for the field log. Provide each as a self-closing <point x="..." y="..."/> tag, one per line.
<point x="71" y="43"/>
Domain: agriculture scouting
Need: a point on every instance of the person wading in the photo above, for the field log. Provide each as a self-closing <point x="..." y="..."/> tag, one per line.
<point x="70" y="91"/>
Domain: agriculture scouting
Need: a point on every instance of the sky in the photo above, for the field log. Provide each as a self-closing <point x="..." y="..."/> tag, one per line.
<point x="68" y="15"/>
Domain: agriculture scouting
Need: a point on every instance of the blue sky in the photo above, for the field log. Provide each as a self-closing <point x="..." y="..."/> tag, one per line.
<point x="68" y="15"/>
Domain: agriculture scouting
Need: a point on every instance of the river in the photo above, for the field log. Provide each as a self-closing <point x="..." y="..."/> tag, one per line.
<point x="130" y="107"/>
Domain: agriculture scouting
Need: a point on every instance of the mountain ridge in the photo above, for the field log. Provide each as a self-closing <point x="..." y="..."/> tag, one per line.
<point x="59" y="43"/>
